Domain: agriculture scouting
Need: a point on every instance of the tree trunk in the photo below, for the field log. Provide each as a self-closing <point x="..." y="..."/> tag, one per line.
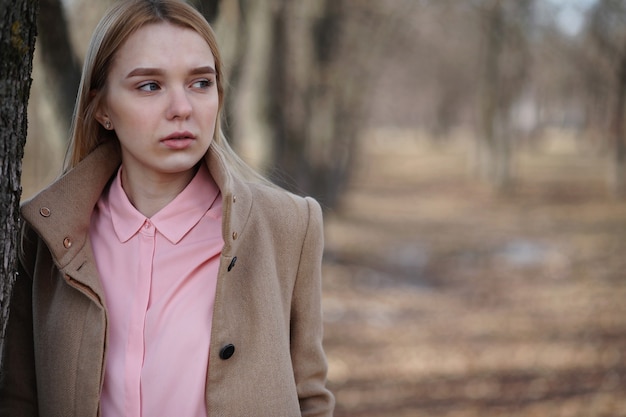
<point x="209" y="8"/>
<point x="492" y="147"/>
<point x="606" y="30"/>
<point x="300" y="95"/>
<point x="248" y="29"/>
<point x="617" y="132"/>
<point x="17" y="41"/>
<point x="324" y="52"/>
<point x="62" y="70"/>
<point x="504" y="75"/>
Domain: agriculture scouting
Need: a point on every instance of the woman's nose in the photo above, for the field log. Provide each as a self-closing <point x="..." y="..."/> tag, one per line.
<point x="179" y="104"/>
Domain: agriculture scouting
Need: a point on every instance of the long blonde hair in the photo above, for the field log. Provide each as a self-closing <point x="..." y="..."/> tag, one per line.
<point x="122" y="20"/>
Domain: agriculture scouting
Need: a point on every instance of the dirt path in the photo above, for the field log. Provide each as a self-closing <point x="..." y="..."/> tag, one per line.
<point x="443" y="300"/>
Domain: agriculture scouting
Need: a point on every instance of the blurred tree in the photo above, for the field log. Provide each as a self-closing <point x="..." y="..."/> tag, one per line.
<point x="325" y="55"/>
<point x="504" y="72"/>
<point x="245" y="36"/>
<point x="452" y="62"/>
<point x="208" y="8"/>
<point x="608" y="30"/>
<point x="17" y="42"/>
<point x="300" y="70"/>
<point x="62" y="70"/>
<point x="306" y="102"/>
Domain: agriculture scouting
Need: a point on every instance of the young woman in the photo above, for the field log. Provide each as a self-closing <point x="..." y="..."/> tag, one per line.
<point x="160" y="276"/>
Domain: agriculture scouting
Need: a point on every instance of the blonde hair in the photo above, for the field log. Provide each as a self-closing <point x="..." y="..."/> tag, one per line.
<point x="122" y="20"/>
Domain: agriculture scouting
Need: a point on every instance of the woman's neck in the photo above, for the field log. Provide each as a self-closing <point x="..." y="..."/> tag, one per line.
<point x="149" y="193"/>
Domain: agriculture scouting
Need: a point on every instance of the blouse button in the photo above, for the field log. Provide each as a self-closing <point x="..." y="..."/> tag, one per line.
<point x="67" y="242"/>
<point x="44" y="211"/>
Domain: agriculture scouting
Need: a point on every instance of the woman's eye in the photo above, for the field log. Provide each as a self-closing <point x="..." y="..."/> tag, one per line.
<point x="151" y="86"/>
<point x="202" y="84"/>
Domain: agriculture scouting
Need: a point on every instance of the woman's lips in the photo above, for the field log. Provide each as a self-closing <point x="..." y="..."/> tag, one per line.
<point x="178" y="140"/>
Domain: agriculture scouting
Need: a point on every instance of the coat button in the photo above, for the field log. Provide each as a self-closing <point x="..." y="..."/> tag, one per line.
<point x="227" y="351"/>
<point x="234" y="199"/>
<point x="44" y="211"/>
<point x="67" y="242"/>
<point x="232" y="264"/>
<point x="235" y="235"/>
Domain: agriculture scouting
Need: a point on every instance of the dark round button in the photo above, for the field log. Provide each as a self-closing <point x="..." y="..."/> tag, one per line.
<point x="227" y="351"/>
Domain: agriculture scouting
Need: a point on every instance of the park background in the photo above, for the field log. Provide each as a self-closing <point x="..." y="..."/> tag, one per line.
<point x="470" y="156"/>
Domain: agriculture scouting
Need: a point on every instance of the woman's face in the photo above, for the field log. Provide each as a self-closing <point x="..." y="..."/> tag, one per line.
<point x="161" y="99"/>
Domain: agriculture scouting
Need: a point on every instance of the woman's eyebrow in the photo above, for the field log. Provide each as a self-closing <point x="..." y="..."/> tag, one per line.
<point x="157" y="71"/>
<point x="203" y="70"/>
<point x="145" y="71"/>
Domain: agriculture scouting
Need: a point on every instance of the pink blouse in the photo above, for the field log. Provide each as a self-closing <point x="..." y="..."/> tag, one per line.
<point x="159" y="277"/>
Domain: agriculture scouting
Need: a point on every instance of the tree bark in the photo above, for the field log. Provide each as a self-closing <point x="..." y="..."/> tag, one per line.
<point x="17" y="41"/>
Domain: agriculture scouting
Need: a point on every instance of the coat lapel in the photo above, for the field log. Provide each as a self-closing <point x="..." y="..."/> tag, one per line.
<point x="236" y="201"/>
<point x="61" y="214"/>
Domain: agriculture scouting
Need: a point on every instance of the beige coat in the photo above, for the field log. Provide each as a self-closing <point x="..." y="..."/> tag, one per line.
<point x="267" y="304"/>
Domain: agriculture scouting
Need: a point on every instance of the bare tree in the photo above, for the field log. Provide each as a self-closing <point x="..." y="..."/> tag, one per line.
<point x="302" y="79"/>
<point x="505" y="61"/>
<point x="297" y="71"/>
<point x="208" y="8"/>
<point x="17" y="40"/>
<point x="238" y="23"/>
<point x="608" y="30"/>
<point x="323" y="52"/>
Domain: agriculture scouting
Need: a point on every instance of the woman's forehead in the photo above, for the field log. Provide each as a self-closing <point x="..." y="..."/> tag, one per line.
<point x="164" y="45"/>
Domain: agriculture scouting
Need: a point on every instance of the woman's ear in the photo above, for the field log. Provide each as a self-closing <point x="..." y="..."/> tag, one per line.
<point x="101" y="117"/>
<point x="104" y="120"/>
<point x="101" y="114"/>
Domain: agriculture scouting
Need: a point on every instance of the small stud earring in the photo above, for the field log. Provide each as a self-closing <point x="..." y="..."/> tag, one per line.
<point x="107" y="125"/>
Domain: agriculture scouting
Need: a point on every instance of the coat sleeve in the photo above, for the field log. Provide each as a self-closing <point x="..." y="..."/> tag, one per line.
<point x="18" y="387"/>
<point x="309" y="360"/>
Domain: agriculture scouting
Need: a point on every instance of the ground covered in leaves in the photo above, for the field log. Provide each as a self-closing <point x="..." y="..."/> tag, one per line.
<point x="442" y="298"/>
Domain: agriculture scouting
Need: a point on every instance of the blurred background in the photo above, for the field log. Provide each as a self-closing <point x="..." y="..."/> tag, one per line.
<point x="470" y="156"/>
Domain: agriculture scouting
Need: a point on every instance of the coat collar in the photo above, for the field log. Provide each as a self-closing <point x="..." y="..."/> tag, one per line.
<point x="61" y="213"/>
